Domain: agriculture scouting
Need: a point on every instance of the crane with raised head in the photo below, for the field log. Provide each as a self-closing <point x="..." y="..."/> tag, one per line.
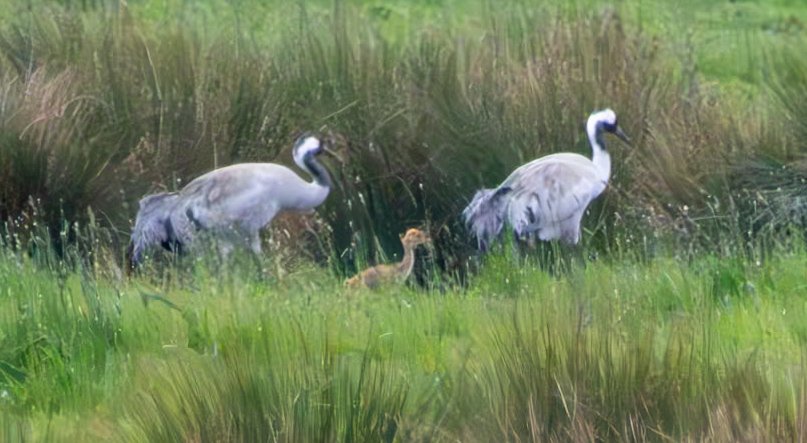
<point x="547" y="196"/>
<point x="233" y="203"/>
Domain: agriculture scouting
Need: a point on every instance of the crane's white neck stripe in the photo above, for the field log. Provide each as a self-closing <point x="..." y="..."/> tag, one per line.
<point x="600" y="156"/>
<point x="308" y="146"/>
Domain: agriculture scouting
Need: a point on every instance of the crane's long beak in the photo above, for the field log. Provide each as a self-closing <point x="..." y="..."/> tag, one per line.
<point x="622" y="135"/>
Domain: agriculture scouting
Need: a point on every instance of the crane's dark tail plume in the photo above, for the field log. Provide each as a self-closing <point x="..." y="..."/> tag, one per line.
<point x="484" y="216"/>
<point x="152" y="227"/>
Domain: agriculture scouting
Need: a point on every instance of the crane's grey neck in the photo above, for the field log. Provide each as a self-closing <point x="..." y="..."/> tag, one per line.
<point x="315" y="168"/>
<point x="599" y="155"/>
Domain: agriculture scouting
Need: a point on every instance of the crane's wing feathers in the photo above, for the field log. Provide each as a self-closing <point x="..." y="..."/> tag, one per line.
<point x="549" y="197"/>
<point x="152" y="224"/>
<point x="484" y="215"/>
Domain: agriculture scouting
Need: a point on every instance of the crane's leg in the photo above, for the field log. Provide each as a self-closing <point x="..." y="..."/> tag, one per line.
<point x="573" y="249"/>
<point x="260" y="218"/>
<point x="575" y="271"/>
<point x="522" y="243"/>
<point x="254" y="243"/>
<point x="252" y="238"/>
<point x="225" y="248"/>
<point x="577" y="258"/>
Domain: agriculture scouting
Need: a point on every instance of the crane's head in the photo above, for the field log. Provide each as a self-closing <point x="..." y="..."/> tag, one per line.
<point x="305" y="146"/>
<point x="605" y="120"/>
<point x="415" y="237"/>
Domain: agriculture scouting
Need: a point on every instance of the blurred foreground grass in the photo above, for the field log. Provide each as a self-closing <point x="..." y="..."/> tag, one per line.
<point x="658" y="350"/>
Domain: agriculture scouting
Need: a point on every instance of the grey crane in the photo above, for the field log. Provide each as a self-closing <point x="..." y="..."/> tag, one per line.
<point x="549" y="195"/>
<point x="233" y="203"/>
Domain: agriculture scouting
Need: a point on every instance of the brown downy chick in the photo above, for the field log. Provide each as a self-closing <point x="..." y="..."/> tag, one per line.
<point x="395" y="272"/>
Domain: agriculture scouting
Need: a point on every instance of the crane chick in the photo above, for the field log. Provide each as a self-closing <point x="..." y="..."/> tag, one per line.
<point x="233" y="203"/>
<point x="549" y="195"/>
<point x="392" y="273"/>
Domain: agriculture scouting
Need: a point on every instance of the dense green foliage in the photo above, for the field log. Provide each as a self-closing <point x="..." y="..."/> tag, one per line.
<point x="709" y="349"/>
<point x="687" y="322"/>
<point x="105" y="103"/>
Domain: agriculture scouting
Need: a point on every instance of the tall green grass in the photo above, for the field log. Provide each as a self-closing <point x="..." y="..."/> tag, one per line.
<point x="661" y="350"/>
<point x="103" y="104"/>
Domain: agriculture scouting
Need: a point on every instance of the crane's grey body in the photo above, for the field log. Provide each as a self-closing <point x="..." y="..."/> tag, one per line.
<point x="233" y="203"/>
<point x="547" y="196"/>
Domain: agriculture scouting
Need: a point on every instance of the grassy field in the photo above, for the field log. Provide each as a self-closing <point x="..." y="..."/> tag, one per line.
<point x="686" y="321"/>
<point x="712" y="349"/>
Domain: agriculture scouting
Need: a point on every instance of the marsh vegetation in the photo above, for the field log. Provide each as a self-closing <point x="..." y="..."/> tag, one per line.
<point x="687" y="321"/>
